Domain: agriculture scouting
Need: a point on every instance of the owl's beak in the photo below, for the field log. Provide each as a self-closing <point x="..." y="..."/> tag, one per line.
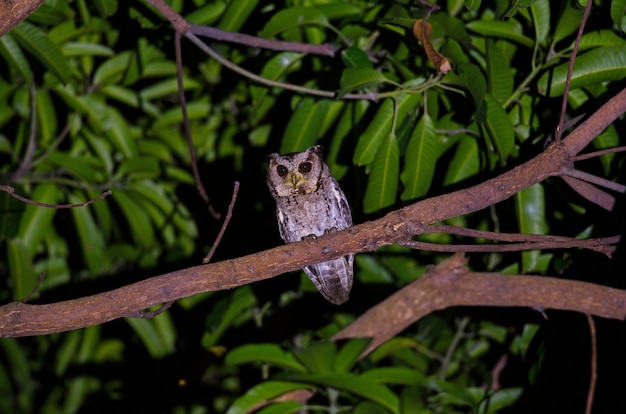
<point x="296" y="179"/>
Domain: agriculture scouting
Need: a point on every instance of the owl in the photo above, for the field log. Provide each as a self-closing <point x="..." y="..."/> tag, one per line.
<point x="310" y="203"/>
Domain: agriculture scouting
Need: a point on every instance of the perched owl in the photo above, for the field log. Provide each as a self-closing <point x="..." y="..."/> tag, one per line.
<point x="310" y="203"/>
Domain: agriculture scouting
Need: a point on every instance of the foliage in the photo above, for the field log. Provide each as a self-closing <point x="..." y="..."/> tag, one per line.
<point x="88" y="102"/>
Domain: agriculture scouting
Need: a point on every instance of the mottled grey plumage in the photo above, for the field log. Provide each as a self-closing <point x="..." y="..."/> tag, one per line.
<point x="310" y="203"/>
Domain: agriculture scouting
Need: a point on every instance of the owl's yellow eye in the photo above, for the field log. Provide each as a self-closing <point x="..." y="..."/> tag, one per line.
<point x="281" y="170"/>
<point x="305" y="167"/>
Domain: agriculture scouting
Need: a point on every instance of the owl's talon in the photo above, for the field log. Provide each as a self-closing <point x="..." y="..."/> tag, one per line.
<point x="309" y="237"/>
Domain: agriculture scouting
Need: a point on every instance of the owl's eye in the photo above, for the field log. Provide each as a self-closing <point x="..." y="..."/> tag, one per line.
<point x="281" y="170"/>
<point x="305" y="167"/>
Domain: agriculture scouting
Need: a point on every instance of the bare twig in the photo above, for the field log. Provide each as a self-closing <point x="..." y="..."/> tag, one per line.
<point x="598" y="245"/>
<point x="593" y="377"/>
<point x="590" y="178"/>
<point x="229" y="214"/>
<point x="192" y="149"/>
<point x="151" y="314"/>
<point x="32" y="292"/>
<point x="11" y="191"/>
<point x="590" y="192"/>
<point x="254" y="41"/>
<point x="598" y="153"/>
<point x="570" y="69"/>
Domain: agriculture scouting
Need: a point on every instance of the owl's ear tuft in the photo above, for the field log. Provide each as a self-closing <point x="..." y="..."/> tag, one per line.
<point x="271" y="157"/>
<point x="317" y="149"/>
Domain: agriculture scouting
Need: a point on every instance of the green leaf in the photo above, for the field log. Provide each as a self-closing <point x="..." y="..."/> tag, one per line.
<point x="568" y="22"/>
<point x="465" y="162"/>
<point x="195" y="110"/>
<point x="318" y="357"/>
<point x="263" y="353"/>
<point x="46" y="116"/>
<point x="140" y="168"/>
<point x="472" y="79"/>
<point x="167" y="87"/>
<point x="119" y="131"/>
<point x="91" y="240"/>
<point x="349" y="353"/>
<point x="101" y="148"/>
<point x="395" y="375"/>
<point x="137" y="219"/>
<point x="157" y="337"/>
<point x="12" y="53"/>
<point x="36" y="42"/>
<point x="380" y="126"/>
<point x="597" y="65"/>
<point x="420" y="159"/>
<point x="207" y="14"/>
<point x="540" y="11"/>
<point x="291" y="18"/>
<point x="382" y="184"/>
<point x="499" y="127"/>
<point x="304" y="127"/>
<point x="236" y="14"/>
<point x="359" y="78"/>
<point x="600" y="38"/>
<point x="226" y="313"/>
<point x="499" y="73"/>
<point x="261" y="394"/>
<point x="346" y="125"/>
<point x="12" y="211"/>
<point x="124" y="95"/>
<point x="17" y="364"/>
<point x="86" y="168"/>
<point x="37" y="221"/>
<point x="86" y="49"/>
<point x="106" y="8"/>
<point x="112" y="70"/>
<point x="531" y="217"/>
<point x="507" y="30"/>
<point x="20" y="262"/>
<point x="363" y="387"/>
<point x="618" y="13"/>
<point x="353" y="57"/>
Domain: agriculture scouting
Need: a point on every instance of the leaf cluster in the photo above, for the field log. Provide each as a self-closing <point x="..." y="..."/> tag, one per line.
<point x="89" y="102"/>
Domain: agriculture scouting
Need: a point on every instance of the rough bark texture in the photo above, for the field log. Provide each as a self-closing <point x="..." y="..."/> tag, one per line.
<point x="13" y="12"/>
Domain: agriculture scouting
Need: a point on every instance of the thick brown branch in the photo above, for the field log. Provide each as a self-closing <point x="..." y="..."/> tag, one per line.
<point x="450" y="284"/>
<point x="14" y="12"/>
<point x="18" y="319"/>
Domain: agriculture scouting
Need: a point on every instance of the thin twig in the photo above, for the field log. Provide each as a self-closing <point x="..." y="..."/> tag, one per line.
<point x="229" y="214"/>
<point x="593" y="377"/>
<point x="594" y="179"/>
<point x="148" y="315"/>
<point x="254" y="41"/>
<point x="11" y="191"/>
<point x="192" y="149"/>
<point x="598" y="153"/>
<point x="570" y="69"/>
<point x="36" y="288"/>
<point x="287" y="86"/>
<point x="597" y="245"/>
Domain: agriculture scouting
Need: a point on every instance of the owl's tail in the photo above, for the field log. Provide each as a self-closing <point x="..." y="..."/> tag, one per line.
<point x="333" y="279"/>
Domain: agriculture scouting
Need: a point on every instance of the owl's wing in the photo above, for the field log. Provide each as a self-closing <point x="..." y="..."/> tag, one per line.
<point x="333" y="279"/>
<point x="342" y="203"/>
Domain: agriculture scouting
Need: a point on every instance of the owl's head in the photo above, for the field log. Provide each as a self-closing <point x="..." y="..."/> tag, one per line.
<point x="295" y="174"/>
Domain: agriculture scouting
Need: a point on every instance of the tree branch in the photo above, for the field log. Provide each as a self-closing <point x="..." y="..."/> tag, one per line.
<point x="19" y="319"/>
<point x="451" y="284"/>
